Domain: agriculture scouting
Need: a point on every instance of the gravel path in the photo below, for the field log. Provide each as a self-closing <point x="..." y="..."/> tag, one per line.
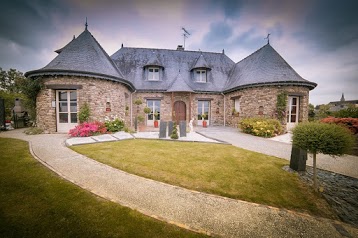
<point x="197" y="211"/>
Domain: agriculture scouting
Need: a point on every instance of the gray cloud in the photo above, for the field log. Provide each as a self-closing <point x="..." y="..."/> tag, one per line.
<point x="27" y="23"/>
<point x="331" y="24"/>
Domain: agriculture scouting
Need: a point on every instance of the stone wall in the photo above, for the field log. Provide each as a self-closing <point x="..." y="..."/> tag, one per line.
<point x="191" y="102"/>
<point x="266" y="96"/>
<point x="96" y="92"/>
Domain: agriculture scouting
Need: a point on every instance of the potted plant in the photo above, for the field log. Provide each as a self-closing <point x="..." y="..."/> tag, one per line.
<point x="203" y="117"/>
<point x="156" y="118"/>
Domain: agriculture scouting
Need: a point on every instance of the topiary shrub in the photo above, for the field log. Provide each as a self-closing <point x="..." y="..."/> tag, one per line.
<point x="323" y="138"/>
<point x="261" y="127"/>
<point x="174" y="134"/>
<point x="349" y="123"/>
<point x="84" y="113"/>
<point x="88" y="129"/>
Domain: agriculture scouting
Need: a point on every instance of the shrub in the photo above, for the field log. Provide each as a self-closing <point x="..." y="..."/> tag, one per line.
<point x="323" y="138"/>
<point x="261" y="127"/>
<point x="115" y="125"/>
<point x="174" y="134"/>
<point x="84" y="113"/>
<point x="33" y="131"/>
<point x="349" y="123"/>
<point x="348" y="112"/>
<point x="88" y="129"/>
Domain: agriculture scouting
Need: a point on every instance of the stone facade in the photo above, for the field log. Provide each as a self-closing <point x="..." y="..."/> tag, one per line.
<point x="96" y="92"/>
<point x="100" y="94"/>
<point x="261" y="101"/>
<point x="167" y="100"/>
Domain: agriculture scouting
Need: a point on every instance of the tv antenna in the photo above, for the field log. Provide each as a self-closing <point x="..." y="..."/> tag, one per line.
<point x="268" y="38"/>
<point x="186" y="34"/>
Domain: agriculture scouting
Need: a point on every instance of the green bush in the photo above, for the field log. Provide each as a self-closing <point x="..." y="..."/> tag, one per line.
<point x="261" y="127"/>
<point x="84" y="113"/>
<point x="174" y="134"/>
<point x="348" y="112"/>
<point x="115" y="125"/>
<point x="323" y="138"/>
<point x="33" y="131"/>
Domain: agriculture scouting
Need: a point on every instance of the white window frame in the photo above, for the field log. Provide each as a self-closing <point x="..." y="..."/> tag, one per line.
<point x="154" y="105"/>
<point x="237" y="105"/>
<point x="203" y="107"/>
<point x="153" y="73"/>
<point x="200" y="75"/>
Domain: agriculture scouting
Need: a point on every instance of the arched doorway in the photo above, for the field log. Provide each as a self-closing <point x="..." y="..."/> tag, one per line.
<point x="179" y="111"/>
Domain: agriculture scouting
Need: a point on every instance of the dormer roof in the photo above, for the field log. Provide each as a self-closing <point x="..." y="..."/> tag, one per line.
<point x="83" y="56"/>
<point x="179" y="85"/>
<point x="154" y="61"/>
<point x="200" y="63"/>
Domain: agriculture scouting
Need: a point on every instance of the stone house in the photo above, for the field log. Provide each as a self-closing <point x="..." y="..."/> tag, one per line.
<point x="174" y="84"/>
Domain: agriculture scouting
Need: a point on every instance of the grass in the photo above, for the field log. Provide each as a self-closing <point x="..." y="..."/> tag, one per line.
<point x="35" y="202"/>
<point x="219" y="169"/>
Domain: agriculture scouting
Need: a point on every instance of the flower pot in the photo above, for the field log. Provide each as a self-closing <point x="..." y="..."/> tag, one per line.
<point x="205" y="124"/>
<point x="156" y="124"/>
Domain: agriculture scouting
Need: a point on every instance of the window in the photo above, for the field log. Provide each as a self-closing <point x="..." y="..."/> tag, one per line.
<point x="237" y="105"/>
<point x="200" y="75"/>
<point x="154" y="106"/>
<point x="203" y="111"/>
<point x="153" y="74"/>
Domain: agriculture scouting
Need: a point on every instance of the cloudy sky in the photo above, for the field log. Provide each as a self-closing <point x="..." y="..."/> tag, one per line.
<point x="319" y="39"/>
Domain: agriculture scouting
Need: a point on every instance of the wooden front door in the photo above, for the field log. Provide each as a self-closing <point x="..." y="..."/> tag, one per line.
<point x="179" y="111"/>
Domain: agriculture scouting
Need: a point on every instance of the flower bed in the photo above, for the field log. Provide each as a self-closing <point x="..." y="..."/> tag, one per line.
<point x="88" y="129"/>
<point x="261" y="127"/>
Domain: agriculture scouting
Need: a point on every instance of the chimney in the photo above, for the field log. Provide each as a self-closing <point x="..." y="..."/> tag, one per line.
<point x="180" y="47"/>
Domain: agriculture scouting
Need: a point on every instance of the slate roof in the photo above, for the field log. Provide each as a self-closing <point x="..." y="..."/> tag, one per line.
<point x="179" y="85"/>
<point x="83" y="56"/>
<point x="265" y="66"/>
<point x="201" y="63"/>
<point x="131" y="62"/>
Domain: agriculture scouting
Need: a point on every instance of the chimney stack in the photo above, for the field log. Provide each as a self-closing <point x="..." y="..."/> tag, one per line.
<point x="180" y="47"/>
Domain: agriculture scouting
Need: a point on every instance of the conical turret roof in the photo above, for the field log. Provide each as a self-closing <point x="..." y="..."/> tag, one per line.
<point x="83" y="56"/>
<point x="265" y="66"/>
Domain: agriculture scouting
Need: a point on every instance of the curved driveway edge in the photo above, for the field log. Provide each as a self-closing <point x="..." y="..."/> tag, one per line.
<point x="197" y="211"/>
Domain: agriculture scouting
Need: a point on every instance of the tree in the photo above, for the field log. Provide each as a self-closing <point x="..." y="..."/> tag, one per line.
<point x="13" y="84"/>
<point x="323" y="138"/>
<point x="311" y="113"/>
<point x="323" y="111"/>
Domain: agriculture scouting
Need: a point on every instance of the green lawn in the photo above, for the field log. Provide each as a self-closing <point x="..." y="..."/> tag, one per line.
<point x="35" y="202"/>
<point x="219" y="169"/>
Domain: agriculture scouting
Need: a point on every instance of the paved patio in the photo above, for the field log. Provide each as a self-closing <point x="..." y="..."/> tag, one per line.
<point x="193" y="210"/>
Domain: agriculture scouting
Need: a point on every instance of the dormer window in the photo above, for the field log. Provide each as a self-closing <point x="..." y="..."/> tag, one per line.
<point x="200" y="75"/>
<point x="153" y="73"/>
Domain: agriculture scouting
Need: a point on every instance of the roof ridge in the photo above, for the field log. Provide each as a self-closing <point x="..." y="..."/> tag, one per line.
<point x="199" y="51"/>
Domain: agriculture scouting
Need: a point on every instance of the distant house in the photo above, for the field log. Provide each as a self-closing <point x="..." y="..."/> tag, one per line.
<point x="174" y="84"/>
<point x="342" y="104"/>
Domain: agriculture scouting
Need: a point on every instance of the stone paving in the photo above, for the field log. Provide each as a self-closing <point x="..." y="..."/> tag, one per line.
<point x="197" y="211"/>
<point x="192" y="137"/>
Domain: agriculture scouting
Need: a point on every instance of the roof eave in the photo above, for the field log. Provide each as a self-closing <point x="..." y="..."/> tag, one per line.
<point x="47" y="72"/>
<point x="308" y="84"/>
